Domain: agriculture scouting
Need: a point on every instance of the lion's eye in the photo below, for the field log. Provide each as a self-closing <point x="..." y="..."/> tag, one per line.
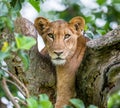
<point x="67" y="36"/>
<point x="50" y="35"/>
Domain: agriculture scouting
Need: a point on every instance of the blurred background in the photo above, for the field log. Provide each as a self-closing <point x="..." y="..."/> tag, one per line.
<point x="100" y="15"/>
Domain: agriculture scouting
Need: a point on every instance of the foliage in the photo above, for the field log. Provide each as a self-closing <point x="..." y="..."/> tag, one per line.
<point x="77" y="103"/>
<point x="114" y="100"/>
<point x="41" y="102"/>
<point x="9" y="11"/>
<point x="23" y="42"/>
<point x="100" y="17"/>
<point x="35" y="4"/>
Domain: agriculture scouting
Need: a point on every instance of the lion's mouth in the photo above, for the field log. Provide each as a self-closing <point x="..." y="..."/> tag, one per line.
<point x="58" y="58"/>
<point x="58" y="61"/>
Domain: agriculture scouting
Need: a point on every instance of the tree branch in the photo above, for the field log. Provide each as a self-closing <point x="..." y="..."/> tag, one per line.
<point x="111" y="38"/>
<point x="16" y="86"/>
<point x="18" y="82"/>
<point x="8" y="93"/>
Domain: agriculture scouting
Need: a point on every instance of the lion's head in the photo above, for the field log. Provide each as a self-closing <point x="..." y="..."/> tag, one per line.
<point x="60" y="37"/>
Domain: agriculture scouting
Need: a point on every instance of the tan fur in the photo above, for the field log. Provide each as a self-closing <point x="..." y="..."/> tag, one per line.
<point x="65" y="38"/>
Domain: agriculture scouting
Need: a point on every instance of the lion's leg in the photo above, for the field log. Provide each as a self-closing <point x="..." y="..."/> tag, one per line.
<point x="65" y="87"/>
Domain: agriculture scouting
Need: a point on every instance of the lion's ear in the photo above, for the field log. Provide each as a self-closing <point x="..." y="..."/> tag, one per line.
<point x="40" y="24"/>
<point x="78" y="23"/>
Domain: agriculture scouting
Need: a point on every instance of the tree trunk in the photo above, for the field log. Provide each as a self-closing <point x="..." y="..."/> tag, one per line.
<point x="97" y="76"/>
<point x="99" y="73"/>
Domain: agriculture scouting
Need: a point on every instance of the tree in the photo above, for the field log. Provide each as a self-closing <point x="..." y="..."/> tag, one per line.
<point x="98" y="75"/>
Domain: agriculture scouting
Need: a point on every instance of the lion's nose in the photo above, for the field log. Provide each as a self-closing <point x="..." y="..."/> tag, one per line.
<point x="58" y="53"/>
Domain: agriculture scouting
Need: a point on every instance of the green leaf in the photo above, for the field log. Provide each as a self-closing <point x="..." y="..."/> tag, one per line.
<point x="2" y="73"/>
<point x="32" y="103"/>
<point x="101" y="2"/>
<point x="77" y="103"/>
<point x="89" y="34"/>
<point x="2" y="93"/>
<point x="2" y="22"/>
<point x="101" y="32"/>
<point x="6" y="22"/>
<point x="114" y="100"/>
<point x="35" y="4"/>
<point x="45" y="104"/>
<point x="18" y="5"/>
<point x="24" y="42"/>
<point x="90" y="19"/>
<point x="9" y="24"/>
<point x="4" y="55"/>
<point x="43" y="97"/>
<point x="44" y="101"/>
<point x="92" y="106"/>
<point x="117" y="6"/>
<point x="4" y="9"/>
<point x="115" y="1"/>
<point x="25" y="59"/>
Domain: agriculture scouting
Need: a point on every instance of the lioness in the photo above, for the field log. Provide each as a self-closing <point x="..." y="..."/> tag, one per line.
<point x="66" y="46"/>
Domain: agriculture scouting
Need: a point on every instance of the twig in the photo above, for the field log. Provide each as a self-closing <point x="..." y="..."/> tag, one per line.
<point x="8" y="93"/>
<point x="16" y="86"/>
<point x="21" y="84"/>
<point x="23" y="102"/>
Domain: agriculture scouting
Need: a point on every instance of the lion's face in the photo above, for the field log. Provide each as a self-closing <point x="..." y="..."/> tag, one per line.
<point x="61" y="42"/>
<point x="60" y="37"/>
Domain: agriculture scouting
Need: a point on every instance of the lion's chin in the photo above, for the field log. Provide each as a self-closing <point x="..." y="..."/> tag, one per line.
<point x="58" y="61"/>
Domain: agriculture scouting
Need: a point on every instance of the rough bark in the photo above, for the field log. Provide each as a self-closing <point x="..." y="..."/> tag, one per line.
<point x="98" y="75"/>
<point x="40" y="77"/>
